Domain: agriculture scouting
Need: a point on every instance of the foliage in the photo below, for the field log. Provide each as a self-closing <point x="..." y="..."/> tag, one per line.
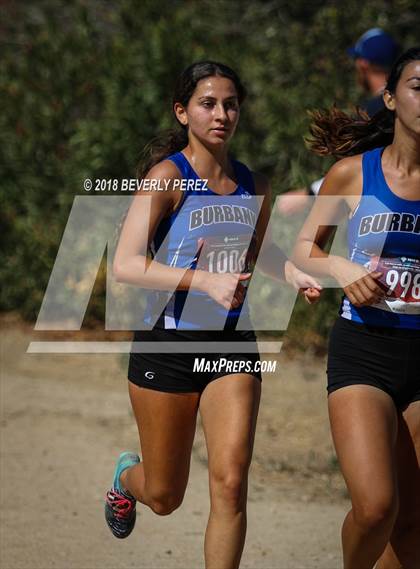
<point x="85" y="84"/>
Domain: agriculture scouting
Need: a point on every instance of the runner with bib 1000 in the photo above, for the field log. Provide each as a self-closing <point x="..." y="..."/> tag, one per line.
<point x="204" y="243"/>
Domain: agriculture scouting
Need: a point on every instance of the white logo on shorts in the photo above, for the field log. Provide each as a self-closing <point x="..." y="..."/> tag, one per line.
<point x="150" y="374"/>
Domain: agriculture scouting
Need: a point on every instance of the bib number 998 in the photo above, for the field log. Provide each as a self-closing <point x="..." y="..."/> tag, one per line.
<point x="403" y="284"/>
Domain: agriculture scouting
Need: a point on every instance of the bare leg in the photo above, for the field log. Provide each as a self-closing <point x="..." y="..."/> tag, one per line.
<point x="403" y="550"/>
<point x="229" y="408"/>
<point x="364" y="428"/>
<point x="166" y="423"/>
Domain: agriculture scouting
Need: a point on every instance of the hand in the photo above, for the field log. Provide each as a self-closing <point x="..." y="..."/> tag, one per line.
<point x="303" y="282"/>
<point x="359" y="285"/>
<point x="311" y="294"/>
<point x="225" y="288"/>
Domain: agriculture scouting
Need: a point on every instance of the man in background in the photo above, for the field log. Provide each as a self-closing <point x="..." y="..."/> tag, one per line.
<point x="373" y="55"/>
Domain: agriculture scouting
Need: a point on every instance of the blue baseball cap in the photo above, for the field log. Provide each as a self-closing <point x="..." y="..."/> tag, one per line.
<point x="376" y="46"/>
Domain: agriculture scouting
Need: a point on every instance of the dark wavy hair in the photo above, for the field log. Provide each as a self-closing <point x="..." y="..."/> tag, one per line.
<point x="334" y="132"/>
<point x="175" y="139"/>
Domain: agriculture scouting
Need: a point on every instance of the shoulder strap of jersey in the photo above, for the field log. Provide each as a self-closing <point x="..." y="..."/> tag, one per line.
<point x="243" y="173"/>
<point x="181" y="163"/>
<point x="245" y="177"/>
<point x="370" y="164"/>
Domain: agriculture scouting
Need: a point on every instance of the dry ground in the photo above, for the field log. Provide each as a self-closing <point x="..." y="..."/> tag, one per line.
<point x="65" y="418"/>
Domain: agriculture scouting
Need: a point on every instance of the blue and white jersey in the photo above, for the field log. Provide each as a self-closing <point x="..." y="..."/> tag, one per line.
<point x="384" y="235"/>
<point x="211" y="232"/>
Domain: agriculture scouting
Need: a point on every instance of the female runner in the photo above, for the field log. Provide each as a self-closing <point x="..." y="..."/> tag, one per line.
<point x="374" y="350"/>
<point x="203" y="243"/>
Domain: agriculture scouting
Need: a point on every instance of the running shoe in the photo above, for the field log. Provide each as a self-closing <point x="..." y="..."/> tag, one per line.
<point x="120" y="506"/>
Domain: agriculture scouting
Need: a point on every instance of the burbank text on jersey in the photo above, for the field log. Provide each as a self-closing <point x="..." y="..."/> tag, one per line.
<point x="222" y="214"/>
<point x="389" y="221"/>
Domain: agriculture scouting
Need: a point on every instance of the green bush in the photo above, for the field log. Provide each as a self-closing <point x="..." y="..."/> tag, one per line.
<point x="84" y="85"/>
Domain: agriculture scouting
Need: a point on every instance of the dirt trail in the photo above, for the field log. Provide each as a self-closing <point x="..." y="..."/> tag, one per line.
<point x="66" y="417"/>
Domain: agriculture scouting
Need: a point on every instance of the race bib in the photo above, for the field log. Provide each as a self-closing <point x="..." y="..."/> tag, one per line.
<point x="400" y="280"/>
<point x="227" y="254"/>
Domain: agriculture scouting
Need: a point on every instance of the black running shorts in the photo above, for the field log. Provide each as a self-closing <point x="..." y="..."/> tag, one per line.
<point x="387" y="358"/>
<point x="191" y="372"/>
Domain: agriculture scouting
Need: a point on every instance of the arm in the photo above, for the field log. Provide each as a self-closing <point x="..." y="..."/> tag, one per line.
<point x="131" y="263"/>
<point x="272" y="260"/>
<point x="294" y="201"/>
<point x="343" y="183"/>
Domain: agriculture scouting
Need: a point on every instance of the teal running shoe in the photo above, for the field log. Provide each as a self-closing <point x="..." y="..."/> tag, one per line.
<point x="120" y="506"/>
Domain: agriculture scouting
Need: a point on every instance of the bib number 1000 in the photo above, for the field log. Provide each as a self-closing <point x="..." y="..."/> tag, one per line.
<point x="226" y="261"/>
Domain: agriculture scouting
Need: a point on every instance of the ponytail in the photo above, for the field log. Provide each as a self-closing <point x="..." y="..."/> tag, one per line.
<point x="160" y="148"/>
<point x="155" y="151"/>
<point x="334" y="132"/>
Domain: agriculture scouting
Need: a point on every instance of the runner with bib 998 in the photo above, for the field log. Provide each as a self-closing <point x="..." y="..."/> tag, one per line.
<point x="374" y="351"/>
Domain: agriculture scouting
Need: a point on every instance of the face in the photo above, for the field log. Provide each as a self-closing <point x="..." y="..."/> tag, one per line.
<point x="212" y="112"/>
<point x="362" y="66"/>
<point x="406" y="99"/>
